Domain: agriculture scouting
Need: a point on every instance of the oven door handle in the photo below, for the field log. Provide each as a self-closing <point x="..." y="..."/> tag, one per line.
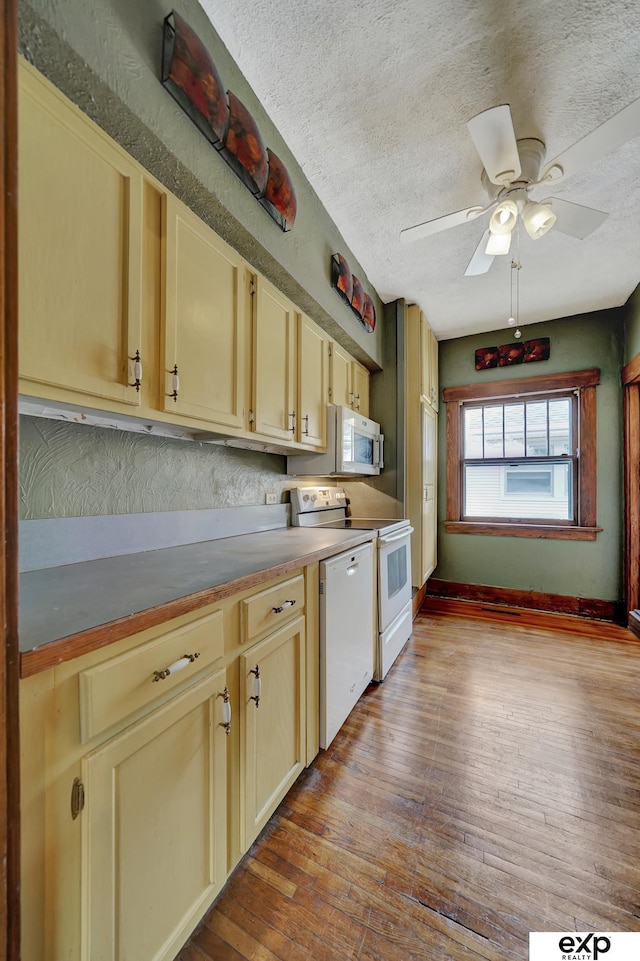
<point x="390" y="538"/>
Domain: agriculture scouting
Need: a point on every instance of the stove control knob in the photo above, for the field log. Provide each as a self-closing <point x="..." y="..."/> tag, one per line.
<point x="306" y="498"/>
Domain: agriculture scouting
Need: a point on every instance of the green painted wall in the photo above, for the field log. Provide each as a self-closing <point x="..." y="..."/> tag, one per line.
<point x="580" y="569"/>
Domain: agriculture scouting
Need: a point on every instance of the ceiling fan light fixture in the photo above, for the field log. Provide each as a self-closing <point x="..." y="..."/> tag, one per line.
<point x="504" y="217"/>
<point x="498" y="244"/>
<point x="538" y="219"/>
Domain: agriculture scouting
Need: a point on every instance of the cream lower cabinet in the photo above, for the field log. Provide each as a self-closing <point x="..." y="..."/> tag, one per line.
<point x="429" y="469"/>
<point x="421" y="397"/>
<point x="273" y="752"/>
<point x="179" y="770"/>
<point x="154" y="829"/>
<point x="125" y="811"/>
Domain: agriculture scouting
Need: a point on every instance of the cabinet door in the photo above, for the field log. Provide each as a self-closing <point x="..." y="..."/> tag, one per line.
<point x="80" y="249"/>
<point x="433" y="370"/>
<point x="340" y="376"/>
<point x="206" y="327"/>
<point x="273" y="736"/>
<point x="274" y="363"/>
<point x="428" y="363"/>
<point x="312" y="384"/>
<point x="360" y="388"/>
<point x="425" y="357"/>
<point x="154" y="829"/>
<point x="429" y="524"/>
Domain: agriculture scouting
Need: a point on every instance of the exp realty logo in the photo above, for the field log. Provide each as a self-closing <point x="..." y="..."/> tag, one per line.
<point x="584" y="946"/>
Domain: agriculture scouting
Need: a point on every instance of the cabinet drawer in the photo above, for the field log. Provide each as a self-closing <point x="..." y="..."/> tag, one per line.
<point x="125" y="684"/>
<point x="272" y="607"/>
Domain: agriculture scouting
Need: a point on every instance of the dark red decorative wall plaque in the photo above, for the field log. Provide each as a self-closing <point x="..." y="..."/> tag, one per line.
<point x="191" y="77"/>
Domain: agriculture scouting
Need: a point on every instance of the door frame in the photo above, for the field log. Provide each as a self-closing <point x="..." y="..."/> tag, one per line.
<point x="9" y="657"/>
<point x="631" y="415"/>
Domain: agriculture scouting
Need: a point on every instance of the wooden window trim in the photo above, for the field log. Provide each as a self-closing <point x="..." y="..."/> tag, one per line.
<point x="524" y="385"/>
<point x="586" y="528"/>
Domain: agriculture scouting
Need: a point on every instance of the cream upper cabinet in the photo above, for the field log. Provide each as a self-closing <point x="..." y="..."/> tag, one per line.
<point x="155" y="828"/>
<point x="360" y="388"/>
<point x="273" y="752"/>
<point x="428" y="358"/>
<point x="340" y="376"/>
<point x="206" y="322"/>
<point x="80" y="248"/>
<point x="348" y="380"/>
<point x="433" y="370"/>
<point x="274" y="363"/>
<point x="312" y="384"/>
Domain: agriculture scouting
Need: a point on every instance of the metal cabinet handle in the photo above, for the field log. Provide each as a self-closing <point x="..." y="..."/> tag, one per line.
<point x="137" y="371"/>
<point x="292" y="415"/>
<point x="175" y="383"/>
<point x="285" y="604"/>
<point x="257" y="685"/>
<point x="356" y="401"/>
<point x="306" y="420"/>
<point x="226" y="711"/>
<point x="180" y="665"/>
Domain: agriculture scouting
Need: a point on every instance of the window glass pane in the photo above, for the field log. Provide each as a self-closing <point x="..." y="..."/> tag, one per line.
<point x="514" y="430"/>
<point x="560" y="426"/>
<point x="493" y="432"/>
<point x="531" y="492"/>
<point x="537" y="443"/>
<point x="522" y="481"/>
<point x="473" y="432"/>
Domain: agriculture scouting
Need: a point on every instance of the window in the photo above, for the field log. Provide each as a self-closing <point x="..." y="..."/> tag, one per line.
<point x="521" y="457"/>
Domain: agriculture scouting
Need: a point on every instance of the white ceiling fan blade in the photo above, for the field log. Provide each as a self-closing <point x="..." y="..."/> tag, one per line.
<point x="495" y="140"/>
<point x="574" y="219"/>
<point x="610" y="135"/>
<point x="430" y="227"/>
<point x="481" y="261"/>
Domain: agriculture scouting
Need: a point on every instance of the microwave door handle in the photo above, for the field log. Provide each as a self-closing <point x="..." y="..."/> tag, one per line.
<point x="396" y="537"/>
<point x="381" y="451"/>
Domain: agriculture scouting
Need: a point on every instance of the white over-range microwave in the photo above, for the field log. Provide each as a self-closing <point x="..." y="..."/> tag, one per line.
<point x="355" y="446"/>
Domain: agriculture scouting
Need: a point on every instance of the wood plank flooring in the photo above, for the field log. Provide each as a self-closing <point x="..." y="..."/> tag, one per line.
<point x="488" y="788"/>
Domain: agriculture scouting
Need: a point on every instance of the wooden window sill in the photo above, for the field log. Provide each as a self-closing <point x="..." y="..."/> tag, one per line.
<point x="547" y="531"/>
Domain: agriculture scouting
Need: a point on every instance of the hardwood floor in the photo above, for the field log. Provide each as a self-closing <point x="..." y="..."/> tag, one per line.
<point x="488" y="788"/>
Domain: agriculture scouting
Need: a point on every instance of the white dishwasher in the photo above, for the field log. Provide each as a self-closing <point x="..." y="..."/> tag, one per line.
<point x="347" y="636"/>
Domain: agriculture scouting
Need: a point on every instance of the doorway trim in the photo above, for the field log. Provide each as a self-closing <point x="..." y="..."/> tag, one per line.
<point x="631" y="415"/>
<point x="9" y="663"/>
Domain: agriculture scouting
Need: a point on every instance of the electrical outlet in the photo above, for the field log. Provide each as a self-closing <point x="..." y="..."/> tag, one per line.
<point x="271" y="497"/>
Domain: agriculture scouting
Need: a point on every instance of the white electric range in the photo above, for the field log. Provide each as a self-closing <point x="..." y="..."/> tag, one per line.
<point x="327" y="507"/>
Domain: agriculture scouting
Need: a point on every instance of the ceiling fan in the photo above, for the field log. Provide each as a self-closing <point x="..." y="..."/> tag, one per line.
<point x="511" y="168"/>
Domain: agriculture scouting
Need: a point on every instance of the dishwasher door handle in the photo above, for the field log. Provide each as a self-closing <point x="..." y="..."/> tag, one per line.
<point x="351" y="570"/>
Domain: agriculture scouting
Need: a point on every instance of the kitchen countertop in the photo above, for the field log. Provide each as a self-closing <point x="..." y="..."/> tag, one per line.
<point x="67" y="611"/>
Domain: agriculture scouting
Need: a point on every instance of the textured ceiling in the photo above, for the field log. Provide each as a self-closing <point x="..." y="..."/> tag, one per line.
<point x="373" y="96"/>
